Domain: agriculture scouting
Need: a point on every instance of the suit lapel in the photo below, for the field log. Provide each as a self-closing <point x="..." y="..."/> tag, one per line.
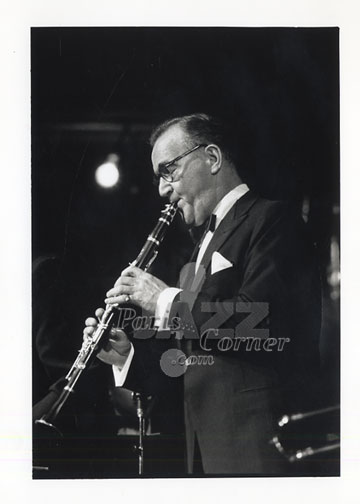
<point x="234" y="218"/>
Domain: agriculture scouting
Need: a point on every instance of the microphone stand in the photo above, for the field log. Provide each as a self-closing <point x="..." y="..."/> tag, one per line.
<point x="140" y="446"/>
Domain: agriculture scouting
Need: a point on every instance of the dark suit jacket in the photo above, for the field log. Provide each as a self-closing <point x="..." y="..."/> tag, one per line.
<point x="232" y="406"/>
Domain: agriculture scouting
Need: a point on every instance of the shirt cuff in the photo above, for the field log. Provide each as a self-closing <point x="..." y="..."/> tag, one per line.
<point x="120" y="374"/>
<point x="163" y="307"/>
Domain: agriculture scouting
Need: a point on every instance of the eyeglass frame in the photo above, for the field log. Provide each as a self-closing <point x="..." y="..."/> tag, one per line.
<point x="168" y="177"/>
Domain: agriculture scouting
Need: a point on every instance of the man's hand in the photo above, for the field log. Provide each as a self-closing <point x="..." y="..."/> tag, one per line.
<point x="117" y="346"/>
<point x="142" y="288"/>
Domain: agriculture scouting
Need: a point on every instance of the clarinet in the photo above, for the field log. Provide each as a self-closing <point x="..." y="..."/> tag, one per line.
<point x="90" y="344"/>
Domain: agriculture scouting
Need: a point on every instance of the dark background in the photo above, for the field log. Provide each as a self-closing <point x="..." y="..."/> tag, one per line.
<point x="97" y="91"/>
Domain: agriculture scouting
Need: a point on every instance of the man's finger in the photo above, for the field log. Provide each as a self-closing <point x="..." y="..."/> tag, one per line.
<point x="119" y="290"/>
<point x="124" y="280"/>
<point x="122" y="299"/>
<point x="88" y="331"/>
<point x="99" y="312"/>
<point x="90" y="321"/>
<point x="117" y="333"/>
<point x="120" y="346"/>
<point x="131" y="271"/>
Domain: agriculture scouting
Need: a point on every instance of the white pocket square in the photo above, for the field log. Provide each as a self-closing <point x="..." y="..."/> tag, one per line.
<point x="219" y="262"/>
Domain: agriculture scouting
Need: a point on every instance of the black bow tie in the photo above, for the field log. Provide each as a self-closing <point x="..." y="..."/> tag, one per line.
<point x="198" y="233"/>
<point x="211" y="223"/>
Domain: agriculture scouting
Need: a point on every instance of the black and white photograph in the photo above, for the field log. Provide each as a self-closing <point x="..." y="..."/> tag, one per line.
<point x="185" y="251"/>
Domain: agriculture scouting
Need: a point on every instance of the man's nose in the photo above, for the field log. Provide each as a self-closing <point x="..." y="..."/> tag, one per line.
<point x="165" y="188"/>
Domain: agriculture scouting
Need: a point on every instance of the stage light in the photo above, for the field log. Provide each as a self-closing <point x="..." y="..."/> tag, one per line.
<point x="107" y="175"/>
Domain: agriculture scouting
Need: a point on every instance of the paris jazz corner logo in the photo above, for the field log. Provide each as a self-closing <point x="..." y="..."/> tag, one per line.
<point x="229" y="327"/>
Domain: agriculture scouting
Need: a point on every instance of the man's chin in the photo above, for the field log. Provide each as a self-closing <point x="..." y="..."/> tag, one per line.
<point x="187" y="219"/>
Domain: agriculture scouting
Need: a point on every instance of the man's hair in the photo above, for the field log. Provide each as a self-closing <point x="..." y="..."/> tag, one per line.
<point x="205" y="129"/>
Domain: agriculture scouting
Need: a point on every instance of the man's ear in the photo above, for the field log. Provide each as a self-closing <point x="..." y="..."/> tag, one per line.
<point x="214" y="157"/>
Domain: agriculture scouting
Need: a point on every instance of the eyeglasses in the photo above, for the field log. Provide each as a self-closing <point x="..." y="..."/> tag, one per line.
<point x="163" y="169"/>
